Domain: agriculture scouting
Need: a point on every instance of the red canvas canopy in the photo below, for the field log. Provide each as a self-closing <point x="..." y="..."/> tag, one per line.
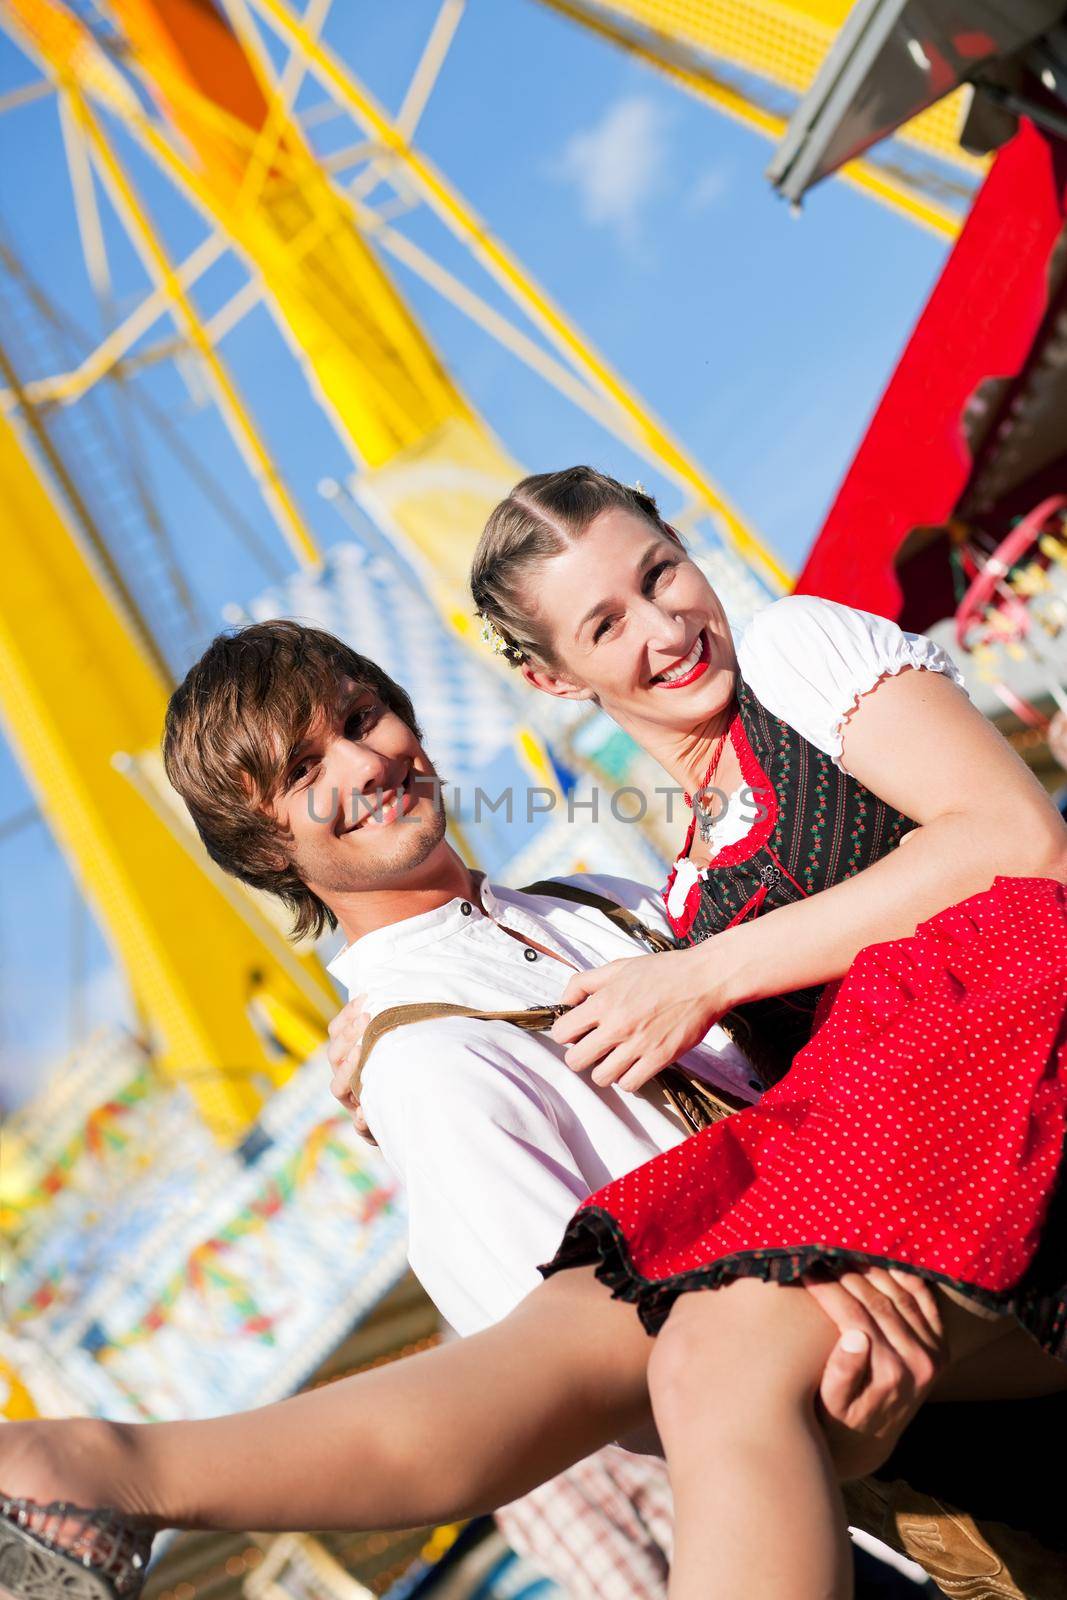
<point x="973" y="424"/>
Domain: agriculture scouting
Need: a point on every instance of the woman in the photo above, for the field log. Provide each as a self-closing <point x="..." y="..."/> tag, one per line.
<point x="828" y="739"/>
<point x="731" y="1377"/>
<point x="832" y="735"/>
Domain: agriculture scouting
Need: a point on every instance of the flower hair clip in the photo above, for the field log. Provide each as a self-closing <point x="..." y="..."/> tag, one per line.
<point x="497" y="642"/>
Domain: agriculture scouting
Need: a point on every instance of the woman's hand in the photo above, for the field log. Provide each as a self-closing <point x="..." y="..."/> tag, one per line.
<point x="891" y="1351"/>
<point x="633" y="1017"/>
<point x="346" y="1032"/>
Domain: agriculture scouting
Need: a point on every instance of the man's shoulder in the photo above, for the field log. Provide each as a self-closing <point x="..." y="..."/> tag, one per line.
<point x="455" y="1083"/>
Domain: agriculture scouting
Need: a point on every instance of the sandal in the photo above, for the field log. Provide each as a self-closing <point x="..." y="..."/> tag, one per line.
<point x="61" y="1551"/>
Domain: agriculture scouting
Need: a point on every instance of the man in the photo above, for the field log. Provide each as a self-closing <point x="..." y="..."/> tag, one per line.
<point x="303" y="768"/>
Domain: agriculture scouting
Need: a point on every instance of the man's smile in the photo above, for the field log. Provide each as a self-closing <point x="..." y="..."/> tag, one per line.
<point x="381" y="807"/>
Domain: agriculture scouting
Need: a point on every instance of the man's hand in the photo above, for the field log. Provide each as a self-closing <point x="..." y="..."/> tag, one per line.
<point x="892" y="1348"/>
<point x="346" y="1033"/>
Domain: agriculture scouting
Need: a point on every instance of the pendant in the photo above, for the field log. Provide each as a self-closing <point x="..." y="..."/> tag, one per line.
<point x="705" y="823"/>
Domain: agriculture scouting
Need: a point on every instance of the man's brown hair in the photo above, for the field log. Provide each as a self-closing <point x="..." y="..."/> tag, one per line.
<point x="247" y="702"/>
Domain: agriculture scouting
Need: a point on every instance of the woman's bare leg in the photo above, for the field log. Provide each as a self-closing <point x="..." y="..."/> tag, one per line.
<point x="1007" y="1364"/>
<point x="449" y="1433"/>
<point x="733" y="1381"/>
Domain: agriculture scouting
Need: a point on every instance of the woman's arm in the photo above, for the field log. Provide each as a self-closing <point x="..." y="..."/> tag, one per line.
<point x="914" y="740"/>
<point x="918" y="743"/>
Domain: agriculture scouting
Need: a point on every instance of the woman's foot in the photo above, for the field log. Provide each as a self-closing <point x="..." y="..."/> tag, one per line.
<point x="61" y="1551"/>
<point x="67" y="1526"/>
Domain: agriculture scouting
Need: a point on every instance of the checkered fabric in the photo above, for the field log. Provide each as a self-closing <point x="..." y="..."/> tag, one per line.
<point x="603" y="1529"/>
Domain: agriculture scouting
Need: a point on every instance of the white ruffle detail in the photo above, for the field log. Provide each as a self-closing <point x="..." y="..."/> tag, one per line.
<point x="685" y="875"/>
<point x="837" y="732"/>
<point x="731" y="828"/>
<point x="811" y="661"/>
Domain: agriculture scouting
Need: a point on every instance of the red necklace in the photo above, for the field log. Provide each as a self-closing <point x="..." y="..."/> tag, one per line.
<point x="704" y="821"/>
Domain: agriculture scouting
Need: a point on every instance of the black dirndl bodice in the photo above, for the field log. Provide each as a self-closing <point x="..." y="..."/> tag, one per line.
<point x="816" y="827"/>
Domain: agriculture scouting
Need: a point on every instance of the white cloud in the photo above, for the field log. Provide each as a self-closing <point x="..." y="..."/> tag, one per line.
<point x="617" y="164"/>
<point x="709" y="189"/>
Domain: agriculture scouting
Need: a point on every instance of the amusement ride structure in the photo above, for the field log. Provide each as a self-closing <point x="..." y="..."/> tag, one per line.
<point x="189" y="1186"/>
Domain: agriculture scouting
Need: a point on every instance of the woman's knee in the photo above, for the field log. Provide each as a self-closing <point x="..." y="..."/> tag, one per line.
<point x="700" y="1350"/>
<point x="747" y="1342"/>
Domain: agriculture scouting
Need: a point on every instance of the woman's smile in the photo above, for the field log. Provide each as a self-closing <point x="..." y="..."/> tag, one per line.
<point x="687" y="670"/>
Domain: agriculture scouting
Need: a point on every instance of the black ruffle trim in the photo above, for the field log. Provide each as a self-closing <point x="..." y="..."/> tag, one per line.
<point x="594" y="1238"/>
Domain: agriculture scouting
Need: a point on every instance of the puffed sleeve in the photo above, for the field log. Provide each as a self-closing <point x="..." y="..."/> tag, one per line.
<point x="811" y="661"/>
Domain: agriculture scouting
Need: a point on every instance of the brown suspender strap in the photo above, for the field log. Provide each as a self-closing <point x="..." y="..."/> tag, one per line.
<point x="612" y="910"/>
<point x="695" y="1102"/>
<point x="533" y="1020"/>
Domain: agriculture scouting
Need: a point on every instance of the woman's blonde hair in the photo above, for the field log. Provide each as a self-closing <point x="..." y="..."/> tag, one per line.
<point x="540" y="518"/>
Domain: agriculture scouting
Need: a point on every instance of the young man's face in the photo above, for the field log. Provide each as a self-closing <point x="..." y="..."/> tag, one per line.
<point x="360" y="798"/>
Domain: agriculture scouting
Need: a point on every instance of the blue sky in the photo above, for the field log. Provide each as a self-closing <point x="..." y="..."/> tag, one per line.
<point x="762" y="338"/>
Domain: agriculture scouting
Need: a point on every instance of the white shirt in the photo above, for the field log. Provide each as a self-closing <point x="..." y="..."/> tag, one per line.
<point x="811" y="661"/>
<point x="494" y="1138"/>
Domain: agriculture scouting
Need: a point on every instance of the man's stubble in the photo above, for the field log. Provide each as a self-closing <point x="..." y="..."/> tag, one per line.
<point x="404" y="846"/>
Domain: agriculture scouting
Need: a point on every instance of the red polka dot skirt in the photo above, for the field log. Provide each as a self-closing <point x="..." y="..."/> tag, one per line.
<point x="923" y="1126"/>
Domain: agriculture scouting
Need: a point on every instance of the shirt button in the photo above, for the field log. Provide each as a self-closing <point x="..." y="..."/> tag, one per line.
<point x="531" y="955"/>
<point x="466" y="908"/>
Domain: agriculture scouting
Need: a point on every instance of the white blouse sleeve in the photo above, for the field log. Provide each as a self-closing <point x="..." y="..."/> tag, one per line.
<point x="810" y="662"/>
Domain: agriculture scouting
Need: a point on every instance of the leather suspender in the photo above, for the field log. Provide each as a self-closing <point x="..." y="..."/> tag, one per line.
<point x="698" y="1105"/>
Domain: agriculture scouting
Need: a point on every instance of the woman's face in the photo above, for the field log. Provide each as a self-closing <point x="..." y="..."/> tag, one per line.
<point x="635" y="625"/>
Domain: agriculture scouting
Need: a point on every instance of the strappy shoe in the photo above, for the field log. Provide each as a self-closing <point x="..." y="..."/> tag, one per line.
<point x="61" y="1551"/>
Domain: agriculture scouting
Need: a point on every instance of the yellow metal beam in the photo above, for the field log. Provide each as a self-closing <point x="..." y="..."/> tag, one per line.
<point x="464" y="222"/>
<point x="699" y="80"/>
<point x="271" y="135"/>
<point x="231" y="403"/>
<point x="781" y="41"/>
<point x="205" y="123"/>
<point x="364" y="354"/>
<point x="481" y="313"/>
<point x="432" y="467"/>
<point x="366" y="359"/>
<point x="75" y="689"/>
